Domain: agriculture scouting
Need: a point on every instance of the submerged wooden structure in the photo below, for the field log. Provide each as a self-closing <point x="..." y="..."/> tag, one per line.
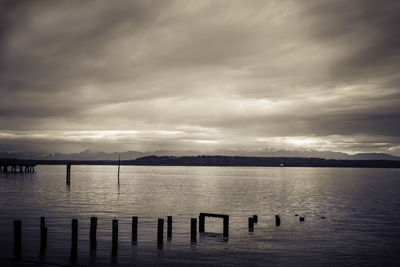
<point x="202" y="218"/>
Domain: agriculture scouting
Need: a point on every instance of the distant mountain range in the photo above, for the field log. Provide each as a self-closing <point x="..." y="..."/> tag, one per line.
<point x="89" y="154"/>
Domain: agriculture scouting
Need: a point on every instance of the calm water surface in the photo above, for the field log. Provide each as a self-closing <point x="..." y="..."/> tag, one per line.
<point x="361" y="209"/>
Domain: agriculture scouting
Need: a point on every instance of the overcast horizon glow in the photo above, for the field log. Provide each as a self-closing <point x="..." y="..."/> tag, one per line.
<point x="203" y="75"/>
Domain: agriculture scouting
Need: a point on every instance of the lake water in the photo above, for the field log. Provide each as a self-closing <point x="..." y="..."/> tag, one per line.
<point x="361" y="209"/>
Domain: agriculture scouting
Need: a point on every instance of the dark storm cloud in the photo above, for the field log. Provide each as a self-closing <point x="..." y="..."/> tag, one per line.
<point x="220" y="73"/>
<point x="369" y="30"/>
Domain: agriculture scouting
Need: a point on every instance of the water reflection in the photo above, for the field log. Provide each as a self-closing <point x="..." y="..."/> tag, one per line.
<point x="358" y="204"/>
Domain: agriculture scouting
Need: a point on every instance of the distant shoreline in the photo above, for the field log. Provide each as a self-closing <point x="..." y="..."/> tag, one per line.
<point x="221" y="161"/>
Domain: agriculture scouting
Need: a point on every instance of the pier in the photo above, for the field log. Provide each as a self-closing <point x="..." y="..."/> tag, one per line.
<point x="17" y="166"/>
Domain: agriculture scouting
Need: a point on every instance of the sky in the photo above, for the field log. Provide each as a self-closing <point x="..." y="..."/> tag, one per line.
<point x="205" y="75"/>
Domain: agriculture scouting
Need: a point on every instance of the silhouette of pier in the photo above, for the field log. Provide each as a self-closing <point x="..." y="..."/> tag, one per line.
<point x="17" y="166"/>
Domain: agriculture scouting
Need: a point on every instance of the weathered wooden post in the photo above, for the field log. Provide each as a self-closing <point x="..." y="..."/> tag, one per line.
<point x="201" y="223"/>
<point x="277" y="220"/>
<point x="226" y="226"/>
<point x="93" y="230"/>
<point x="114" y="234"/>
<point x="74" y="239"/>
<point x="43" y="234"/>
<point x="255" y="218"/>
<point x="169" y="228"/>
<point x="302" y="219"/>
<point x="134" y="229"/>
<point x="68" y="173"/>
<point x="160" y="233"/>
<point x="17" y="238"/>
<point x="251" y="224"/>
<point x="193" y="229"/>
<point x="119" y="165"/>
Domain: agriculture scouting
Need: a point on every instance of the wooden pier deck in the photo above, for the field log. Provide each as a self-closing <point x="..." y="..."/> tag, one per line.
<point x="17" y="166"/>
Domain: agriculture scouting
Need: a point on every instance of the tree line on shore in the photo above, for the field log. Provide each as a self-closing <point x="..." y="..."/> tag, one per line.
<point x="223" y="161"/>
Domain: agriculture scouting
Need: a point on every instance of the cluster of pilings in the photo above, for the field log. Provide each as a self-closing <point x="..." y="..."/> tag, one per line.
<point x="160" y="232"/>
<point x="254" y="219"/>
<point x="17" y="168"/>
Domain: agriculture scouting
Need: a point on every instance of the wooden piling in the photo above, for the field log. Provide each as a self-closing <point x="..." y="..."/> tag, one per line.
<point x="277" y="220"/>
<point x="255" y="218"/>
<point x="169" y="228"/>
<point x="43" y="234"/>
<point x="119" y="165"/>
<point x="160" y="233"/>
<point x="74" y="236"/>
<point x="93" y="230"/>
<point x="114" y="234"/>
<point x="68" y="173"/>
<point x="134" y="229"/>
<point x="225" y="232"/>
<point x="193" y="229"/>
<point x="302" y="219"/>
<point x="17" y="238"/>
<point x="251" y="224"/>
<point x="202" y="219"/>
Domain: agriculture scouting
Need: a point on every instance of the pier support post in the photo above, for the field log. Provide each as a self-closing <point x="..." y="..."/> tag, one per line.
<point x="114" y="234"/>
<point x="277" y="220"/>
<point x="201" y="223"/>
<point x="160" y="233"/>
<point x="251" y="224"/>
<point x="68" y="173"/>
<point x="193" y="230"/>
<point x="93" y="230"/>
<point x="74" y="239"/>
<point x="169" y="228"/>
<point x="226" y="226"/>
<point x="134" y="229"/>
<point x="17" y="238"/>
<point x="43" y="234"/>
<point x="302" y="219"/>
<point x="255" y="218"/>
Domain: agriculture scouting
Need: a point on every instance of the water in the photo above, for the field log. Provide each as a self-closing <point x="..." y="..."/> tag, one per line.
<point x="361" y="209"/>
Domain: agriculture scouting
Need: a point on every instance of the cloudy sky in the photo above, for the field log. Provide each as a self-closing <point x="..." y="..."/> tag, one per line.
<point x="206" y="75"/>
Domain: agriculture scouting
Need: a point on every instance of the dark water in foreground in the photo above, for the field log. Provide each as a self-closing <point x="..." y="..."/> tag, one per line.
<point x="361" y="206"/>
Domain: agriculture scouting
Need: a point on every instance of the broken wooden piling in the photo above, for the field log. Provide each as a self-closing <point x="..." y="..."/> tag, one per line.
<point x="277" y="220"/>
<point x="169" y="228"/>
<point x="193" y="229"/>
<point x="251" y="224"/>
<point x="43" y="234"/>
<point x="160" y="233"/>
<point x="17" y="238"/>
<point x="114" y="234"/>
<point x="93" y="230"/>
<point x="74" y="239"/>
<point x="134" y="229"/>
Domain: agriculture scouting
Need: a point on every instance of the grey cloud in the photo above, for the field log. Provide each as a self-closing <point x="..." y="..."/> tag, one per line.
<point x="244" y="69"/>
